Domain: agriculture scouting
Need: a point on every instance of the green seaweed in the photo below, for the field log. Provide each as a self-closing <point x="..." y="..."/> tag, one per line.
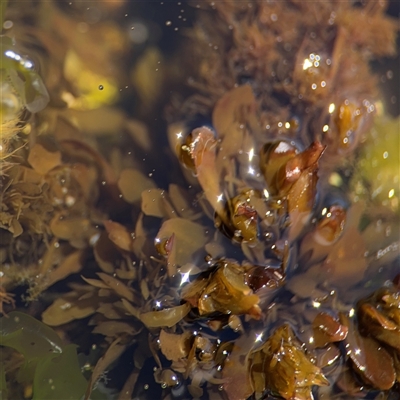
<point x="49" y="383"/>
<point x="52" y="367"/>
<point x="28" y="336"/>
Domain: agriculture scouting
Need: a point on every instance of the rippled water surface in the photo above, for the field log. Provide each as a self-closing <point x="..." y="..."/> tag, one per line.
<point x="200" y="200"/>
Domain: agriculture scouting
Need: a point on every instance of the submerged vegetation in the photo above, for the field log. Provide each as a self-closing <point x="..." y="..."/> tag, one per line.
<point x="246" y="247"/>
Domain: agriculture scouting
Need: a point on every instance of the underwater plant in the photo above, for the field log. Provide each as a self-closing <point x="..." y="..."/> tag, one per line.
<point x="244" y="246"/>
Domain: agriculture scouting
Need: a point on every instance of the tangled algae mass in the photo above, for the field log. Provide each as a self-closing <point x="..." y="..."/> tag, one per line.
<point x="199" y="200"/>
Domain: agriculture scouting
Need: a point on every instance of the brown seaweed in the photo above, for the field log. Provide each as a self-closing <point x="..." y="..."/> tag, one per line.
<point x="234" y="261"/>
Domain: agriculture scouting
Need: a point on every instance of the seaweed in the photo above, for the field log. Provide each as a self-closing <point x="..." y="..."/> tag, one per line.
<point x="238" y="246"/>
<point x="51" y="367"/>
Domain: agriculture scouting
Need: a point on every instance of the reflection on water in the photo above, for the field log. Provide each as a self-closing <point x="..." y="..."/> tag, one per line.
<point x="199" y="200"/>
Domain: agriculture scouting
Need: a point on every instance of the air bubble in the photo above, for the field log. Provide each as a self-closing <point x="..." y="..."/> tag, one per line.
<point x="8" y="24"/>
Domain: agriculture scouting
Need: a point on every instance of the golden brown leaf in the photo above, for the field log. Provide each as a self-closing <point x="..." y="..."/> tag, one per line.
<point x="327" y="330"/>
<point x="203" y="152"/>
<point x="173" y="346"/>
<point x="67" y="308"/>
<point x="187" y="238"/>
<point x="120" y="288"/>
<point x="71" y="264"/>
<point x="119" y="235"/>
<point x="167" y="317"/>
<point x="70" y="227"/>
<point x="287" y="369"/>
<point x="43" y="160"/>
<point x="155" y="203"/>
<point x="132" y="183"/>
<point x="233" y="108"/>
<point x="379" y="316"/>
<point x="223" y="291"/>
<point x="371" y="360"/>
<point x="114" y="328"/>
<point x="237" y="380"/>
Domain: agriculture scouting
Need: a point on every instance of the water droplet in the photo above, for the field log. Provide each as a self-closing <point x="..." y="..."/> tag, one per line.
<point x="8" y="24"/>
<point x="101" y="87"/>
